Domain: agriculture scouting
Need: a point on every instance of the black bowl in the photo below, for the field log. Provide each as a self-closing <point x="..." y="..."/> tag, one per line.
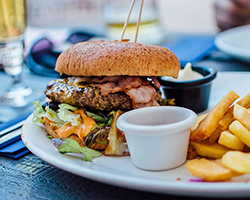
<point x="192" y="94"/>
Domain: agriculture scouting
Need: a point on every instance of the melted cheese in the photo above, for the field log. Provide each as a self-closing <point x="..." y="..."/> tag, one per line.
<point x="82" y="130"/>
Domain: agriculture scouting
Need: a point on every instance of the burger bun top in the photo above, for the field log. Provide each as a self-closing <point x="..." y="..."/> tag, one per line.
<point x="111" y="58"/>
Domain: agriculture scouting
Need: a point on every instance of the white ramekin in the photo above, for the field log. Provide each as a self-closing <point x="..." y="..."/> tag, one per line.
<point x="157" y="136"/>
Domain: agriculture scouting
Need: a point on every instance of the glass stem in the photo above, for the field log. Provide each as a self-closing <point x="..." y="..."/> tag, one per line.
<point x="17" y="78"/>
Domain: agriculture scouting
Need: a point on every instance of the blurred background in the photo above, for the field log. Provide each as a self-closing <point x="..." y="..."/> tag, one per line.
<point x="190" y="16"/>
<point x="159" y="17"/>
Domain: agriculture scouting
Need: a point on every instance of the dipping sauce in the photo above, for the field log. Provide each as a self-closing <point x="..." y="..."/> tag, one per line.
<point x="192" y="88"/>
<point x="157" y="136"/>
<point x="186" y="74"/>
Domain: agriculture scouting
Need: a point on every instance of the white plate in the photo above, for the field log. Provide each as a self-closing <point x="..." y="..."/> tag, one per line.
<point x="120" y="171"/>
<point x="235" y="42"/>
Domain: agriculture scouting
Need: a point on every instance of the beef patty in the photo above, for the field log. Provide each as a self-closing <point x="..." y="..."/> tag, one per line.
<point x="86" y="95"/>
<point x="82" y="94"/>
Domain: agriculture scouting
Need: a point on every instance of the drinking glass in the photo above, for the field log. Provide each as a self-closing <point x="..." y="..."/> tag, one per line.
<point x="115" y="13"/>
<point x="12" y="28"/>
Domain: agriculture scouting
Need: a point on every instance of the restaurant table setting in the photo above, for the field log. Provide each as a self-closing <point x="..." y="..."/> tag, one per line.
<point x="41" y="172"/>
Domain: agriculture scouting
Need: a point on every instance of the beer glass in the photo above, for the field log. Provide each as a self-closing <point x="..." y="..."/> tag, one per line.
<point x="12" y="28"/>
<point x="115" y="13"/>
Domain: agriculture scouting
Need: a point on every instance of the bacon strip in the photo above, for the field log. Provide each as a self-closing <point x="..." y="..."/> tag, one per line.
<point x="130" y="82"/>
<point x="156" y="82"/>
<point x="109" y="87"/>
<point x="141" y="93"/>
<point x="106" y="79"/>
<point x="143" y="96"/>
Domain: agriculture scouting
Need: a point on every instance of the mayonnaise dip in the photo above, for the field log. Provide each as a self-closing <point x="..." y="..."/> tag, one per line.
<point x="186" y="74"/>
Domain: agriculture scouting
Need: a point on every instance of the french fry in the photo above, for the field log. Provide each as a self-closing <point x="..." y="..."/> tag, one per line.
<point x="199" y="119"/>
<point x="242" y="114"/>
<point x="230" y="124"/>
<point x="230" y="141"/>
<point x="237" y="161"/>
<point x="209" y="170"/>
<point x="228" y="118"/>
<point x="210" y="122"/>
<point x="207" y="150"/>
<point x="240" y="131"/>
<point x="215" y="135"/>
<point x="245" y="101"/>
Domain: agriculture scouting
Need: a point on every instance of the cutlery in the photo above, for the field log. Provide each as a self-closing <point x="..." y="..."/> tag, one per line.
<point x="10" y="129"/>
<point x="10" y="137"/>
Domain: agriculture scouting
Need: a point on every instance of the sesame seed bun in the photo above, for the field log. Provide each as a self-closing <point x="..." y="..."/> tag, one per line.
<point x="111" y="58"/>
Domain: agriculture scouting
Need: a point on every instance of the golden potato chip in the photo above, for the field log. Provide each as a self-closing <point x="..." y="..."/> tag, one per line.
<point x="205" y="149"/>
<point x="237" y="161"/>
<point x="230" y="141"/>
<point x="210" y="122"/>
<point x="218" y="161"/>
<point x="209" y="170"/>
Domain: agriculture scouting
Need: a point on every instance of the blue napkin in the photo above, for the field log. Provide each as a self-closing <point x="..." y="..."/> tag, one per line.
<point x="14" y="147"/>
<point x="10" y="142"/>
<point x="191" y="48"/>
<point x="16" y="144"/>
<point x="16" y="155"/>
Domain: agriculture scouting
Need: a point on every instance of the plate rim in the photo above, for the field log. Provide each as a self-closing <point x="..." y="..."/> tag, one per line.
<point x="232" y="50"/>
<point x="198" y="189"/>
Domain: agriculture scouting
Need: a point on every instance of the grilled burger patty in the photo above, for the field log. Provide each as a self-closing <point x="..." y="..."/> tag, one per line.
<point x="86" y="95"/>
<point x="82" y="94"/>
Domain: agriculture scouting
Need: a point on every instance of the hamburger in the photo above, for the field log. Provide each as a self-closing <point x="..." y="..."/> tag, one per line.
<point x="103" y="79"/>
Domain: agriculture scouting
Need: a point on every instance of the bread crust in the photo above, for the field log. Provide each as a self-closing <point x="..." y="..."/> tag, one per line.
<point x="110" y="58"/>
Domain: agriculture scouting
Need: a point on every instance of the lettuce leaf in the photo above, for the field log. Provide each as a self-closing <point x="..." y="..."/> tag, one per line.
<point x="39" y="112"/>
<point x="69" y="145"/>
<point x="52" y="115"/>
<point x="66" y="113"/>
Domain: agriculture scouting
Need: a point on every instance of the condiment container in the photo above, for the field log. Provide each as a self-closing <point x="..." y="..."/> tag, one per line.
<point x="157" y="137"/>
<point x="192" y="94"/>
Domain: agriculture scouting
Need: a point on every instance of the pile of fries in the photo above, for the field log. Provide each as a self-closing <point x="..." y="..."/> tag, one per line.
<point x="221" y="140"/>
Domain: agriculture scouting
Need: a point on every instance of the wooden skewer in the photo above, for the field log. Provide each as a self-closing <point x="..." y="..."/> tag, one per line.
<point x="139" y="21"/>
<point x="126" y="23"/>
